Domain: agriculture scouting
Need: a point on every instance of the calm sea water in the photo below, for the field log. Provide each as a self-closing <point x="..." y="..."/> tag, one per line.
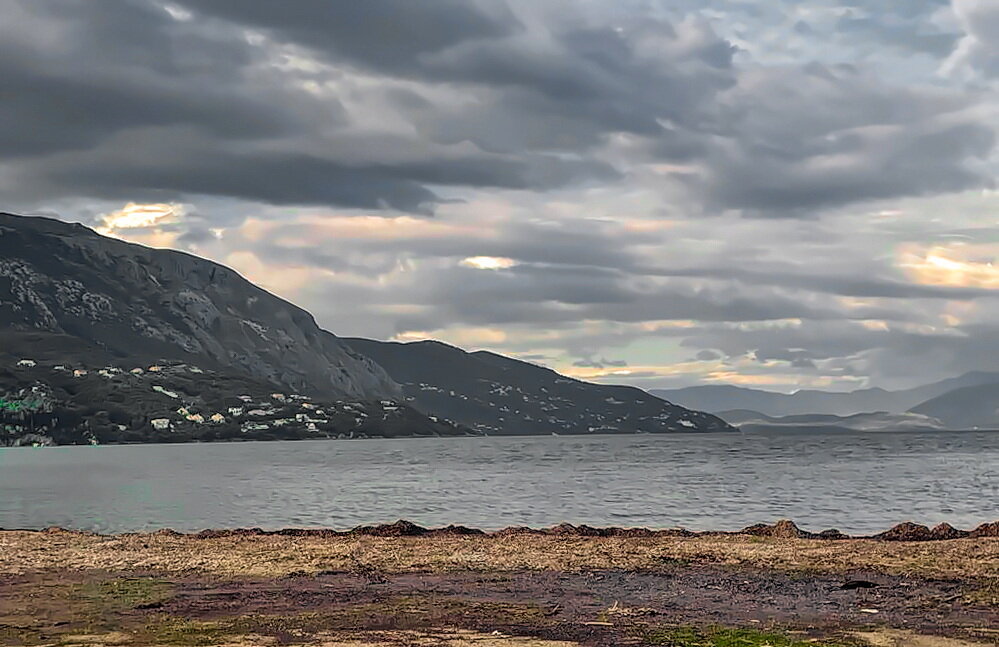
<point x="859" y="483"/>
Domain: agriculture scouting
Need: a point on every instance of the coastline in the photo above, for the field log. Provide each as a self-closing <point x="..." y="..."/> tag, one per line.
<point x="783" y="529"/>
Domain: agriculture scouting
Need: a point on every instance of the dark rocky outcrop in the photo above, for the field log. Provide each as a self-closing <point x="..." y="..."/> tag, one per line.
<point x="907" y="531"/>
<point x="985" y="530"/>
<point x="783" y="529"/>
<point x="947" y="531"/>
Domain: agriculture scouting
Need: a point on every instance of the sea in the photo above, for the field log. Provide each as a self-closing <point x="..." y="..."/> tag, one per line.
<point x="859" y="483"/>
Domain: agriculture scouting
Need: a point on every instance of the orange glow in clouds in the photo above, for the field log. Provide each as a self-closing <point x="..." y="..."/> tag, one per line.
<point x="957" y="266"/>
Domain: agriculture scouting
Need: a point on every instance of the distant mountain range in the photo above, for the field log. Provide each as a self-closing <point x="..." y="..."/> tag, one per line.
<point x="747" y="420"/>
<point x="965" y="402"/>
<point x="965" y="408"/>
<point x="107" y="341"/>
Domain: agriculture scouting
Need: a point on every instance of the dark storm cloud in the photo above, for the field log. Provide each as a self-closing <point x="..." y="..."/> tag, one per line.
<point x="168" y="164"/>
<point x="510" y="95"/>
<point x="596" y="75"/>
<point x="385" y="35"/>
<point x="106" y="67"/>
<point x="120" y="100"/>
<point x="804" y="140"/>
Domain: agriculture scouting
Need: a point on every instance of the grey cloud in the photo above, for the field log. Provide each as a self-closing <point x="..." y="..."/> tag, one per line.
<point x="536" y="296"/>
<point x="119" y="67"/>
<point x="979" y="49"/>
<point x="132" y="104"/>
<point x="601" y="362"/>
<point x="806" y="140"/>
<point x="385" y="35"/>
<point x="795" y="358"/>
<point x="791" y="276"/>
<point x="905" y="36"/>
<point x="130" y="167"/>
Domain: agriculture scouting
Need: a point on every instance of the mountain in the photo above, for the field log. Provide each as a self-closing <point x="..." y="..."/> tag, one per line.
<point x="129" y="301"/>
<point x="107" y="341"/>
<point x="716" y="398"/>
<point x="970" y="407"/>
<point x="747" y="420"/>
<point x="104" y="341"/>
<point x="498" y="395"/>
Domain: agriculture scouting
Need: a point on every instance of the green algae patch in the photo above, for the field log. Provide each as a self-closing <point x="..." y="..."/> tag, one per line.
<point x="725" y="637"/>
<point x="125" y="594"/>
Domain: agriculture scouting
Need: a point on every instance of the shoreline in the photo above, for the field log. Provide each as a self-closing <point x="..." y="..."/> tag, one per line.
<point x="735" y="431"/>
<point x="400" y="585"/>
<point x="907" y="531"/>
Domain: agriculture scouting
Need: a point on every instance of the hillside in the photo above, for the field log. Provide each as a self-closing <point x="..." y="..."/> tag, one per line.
<point x="44" y="402"/>
<point x="495" y="394"/>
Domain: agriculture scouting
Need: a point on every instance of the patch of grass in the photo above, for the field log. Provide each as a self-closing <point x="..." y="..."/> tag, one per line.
<point x="126" y="593"/>
<point x="723" y="637"/>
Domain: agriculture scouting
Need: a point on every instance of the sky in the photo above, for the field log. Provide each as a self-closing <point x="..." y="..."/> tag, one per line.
<point x="781" y="194"/>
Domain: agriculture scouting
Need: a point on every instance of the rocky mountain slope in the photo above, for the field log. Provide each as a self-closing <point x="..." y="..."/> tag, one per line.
<point x="716" y="398"/>
<point x="121" y="300"/>
<point x="499" y="395"/>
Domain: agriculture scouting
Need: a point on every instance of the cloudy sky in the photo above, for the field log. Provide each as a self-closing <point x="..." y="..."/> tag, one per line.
<point x="779" y="193"/>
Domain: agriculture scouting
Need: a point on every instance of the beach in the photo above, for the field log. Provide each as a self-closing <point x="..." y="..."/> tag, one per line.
<point x="565" y="586"/>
